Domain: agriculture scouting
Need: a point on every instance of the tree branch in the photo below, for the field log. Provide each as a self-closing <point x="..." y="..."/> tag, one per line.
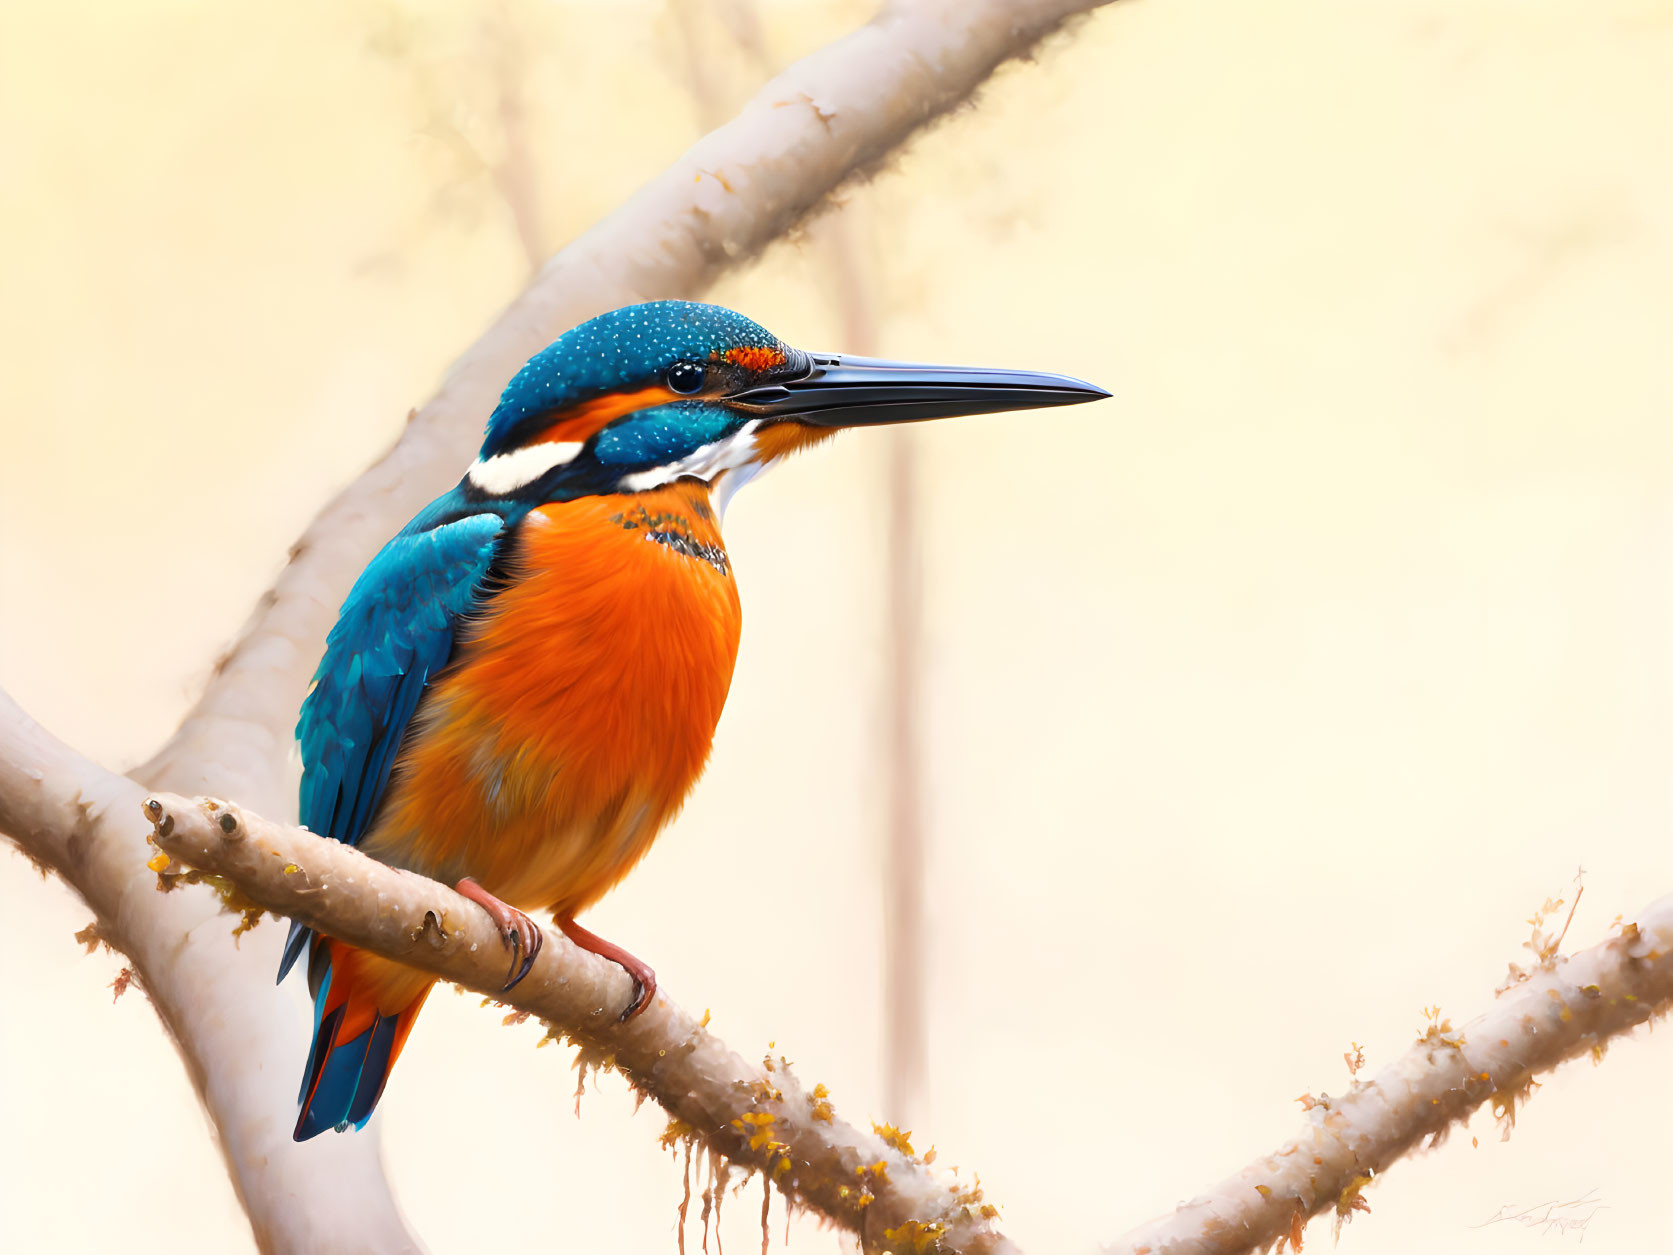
<point x="83" y="822"/>
<point x="758" y="1117"/>
<point x="1567" y="1008"/>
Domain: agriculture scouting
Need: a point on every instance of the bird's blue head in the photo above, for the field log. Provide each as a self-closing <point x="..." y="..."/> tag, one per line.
<point x="649" y="394"/>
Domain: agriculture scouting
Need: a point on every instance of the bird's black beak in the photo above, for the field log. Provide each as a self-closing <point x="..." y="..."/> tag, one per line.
<point x="867" y="391"/>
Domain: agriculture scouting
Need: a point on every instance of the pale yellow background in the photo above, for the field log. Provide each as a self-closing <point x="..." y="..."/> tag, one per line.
<point x="1264" y="701"/>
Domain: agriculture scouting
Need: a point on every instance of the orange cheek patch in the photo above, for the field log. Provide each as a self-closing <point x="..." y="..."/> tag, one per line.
<point x="756" y="360"/>
<point x="783" y="439"/>
<point x="582" y="422"/>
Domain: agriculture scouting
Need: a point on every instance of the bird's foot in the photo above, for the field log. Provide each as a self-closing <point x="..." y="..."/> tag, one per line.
<point x="644" y="980"/>
<point x="522" y="936"/>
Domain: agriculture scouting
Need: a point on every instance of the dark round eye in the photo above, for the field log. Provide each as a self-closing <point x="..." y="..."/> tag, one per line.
<point x="685" y="377"/>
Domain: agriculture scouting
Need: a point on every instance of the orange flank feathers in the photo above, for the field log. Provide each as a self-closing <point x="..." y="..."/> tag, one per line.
<point x="581" y="708"/>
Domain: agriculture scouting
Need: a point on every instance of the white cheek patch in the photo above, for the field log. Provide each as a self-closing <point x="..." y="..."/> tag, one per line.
<point x="712" y="460"/>
<point x="507" y="472"/>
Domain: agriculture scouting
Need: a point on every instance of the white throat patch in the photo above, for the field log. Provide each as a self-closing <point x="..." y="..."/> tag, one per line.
<point x="507" y="472"/>
<point x="724" y="486"/>
<point x="707" y="463"/>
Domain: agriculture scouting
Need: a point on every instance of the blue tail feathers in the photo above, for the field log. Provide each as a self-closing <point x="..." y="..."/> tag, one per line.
<point x="346" y="1074"/>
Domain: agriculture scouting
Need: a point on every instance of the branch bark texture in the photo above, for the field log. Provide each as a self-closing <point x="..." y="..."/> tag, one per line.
<point x="83" y="823"/>
<point x="1568" y="1008"/>
<point x="758" y="1116"/>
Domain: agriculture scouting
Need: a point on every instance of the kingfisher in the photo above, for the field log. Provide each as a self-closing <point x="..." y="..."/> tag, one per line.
<point x="523" y="685"/>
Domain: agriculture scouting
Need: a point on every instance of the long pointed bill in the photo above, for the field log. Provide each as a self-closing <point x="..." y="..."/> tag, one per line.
<point x="867" y="391"/>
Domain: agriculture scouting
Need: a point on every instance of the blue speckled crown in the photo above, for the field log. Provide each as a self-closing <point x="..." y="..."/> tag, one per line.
<point x="614" y="352"/>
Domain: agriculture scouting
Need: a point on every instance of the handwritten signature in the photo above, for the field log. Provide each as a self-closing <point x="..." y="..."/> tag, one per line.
<point x="1553" y="1217"/>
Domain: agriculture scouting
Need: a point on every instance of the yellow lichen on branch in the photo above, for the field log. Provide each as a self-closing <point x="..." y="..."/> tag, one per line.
<point x="1566" y="1008"/>
<point x="894" y="1137"/>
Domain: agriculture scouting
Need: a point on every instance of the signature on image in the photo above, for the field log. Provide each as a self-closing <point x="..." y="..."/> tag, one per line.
<point x="1556" y="1218"/>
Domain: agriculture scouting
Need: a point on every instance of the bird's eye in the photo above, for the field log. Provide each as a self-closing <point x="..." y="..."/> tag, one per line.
<point x="685" y="377"/>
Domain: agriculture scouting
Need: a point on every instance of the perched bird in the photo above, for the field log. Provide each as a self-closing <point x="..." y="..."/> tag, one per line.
<point x="523" y="685"/>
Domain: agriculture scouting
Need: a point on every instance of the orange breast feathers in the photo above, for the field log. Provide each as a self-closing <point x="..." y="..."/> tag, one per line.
<point x="581" y="709"/>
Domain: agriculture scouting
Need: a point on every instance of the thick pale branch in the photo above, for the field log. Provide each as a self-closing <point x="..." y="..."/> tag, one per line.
<point x="84" y="823"/>
<point x="831" y="116"/>
<point x="1570" y="1008"/>
<point x="756" y="1115"/>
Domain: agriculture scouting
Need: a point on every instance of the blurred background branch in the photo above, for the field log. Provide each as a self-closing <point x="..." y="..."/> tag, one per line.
<point x="828" y="119"/>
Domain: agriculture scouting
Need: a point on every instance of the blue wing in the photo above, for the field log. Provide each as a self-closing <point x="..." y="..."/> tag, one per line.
<point x="395" y="632"/>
